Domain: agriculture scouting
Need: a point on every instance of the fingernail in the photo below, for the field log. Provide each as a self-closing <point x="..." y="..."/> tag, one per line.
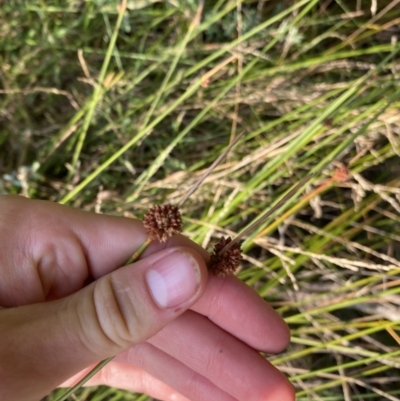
<point x="173" y="279"/>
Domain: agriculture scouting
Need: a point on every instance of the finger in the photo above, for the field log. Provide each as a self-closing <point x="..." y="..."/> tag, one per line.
<point x="123" y="308"/>
<point x="131" y="378"/>
<point x="171" y="371"/>
<point x="50" y="250"/>
<point x="239" y="310"/>
<point x="223" y="359"/>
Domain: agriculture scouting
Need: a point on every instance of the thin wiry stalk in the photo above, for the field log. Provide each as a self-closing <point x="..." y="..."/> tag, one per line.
<point x="209" y="170"/>
<point x="99" y="87"/>
<point x="81" y="382"/>
<point x="268" y="213"/>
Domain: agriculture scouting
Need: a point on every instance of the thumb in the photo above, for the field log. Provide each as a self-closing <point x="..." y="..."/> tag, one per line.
<point x="133" y="303"/>
<point x="46" y="343"/>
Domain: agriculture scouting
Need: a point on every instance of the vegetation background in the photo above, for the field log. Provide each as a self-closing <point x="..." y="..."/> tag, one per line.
<point x="113" y="109"/>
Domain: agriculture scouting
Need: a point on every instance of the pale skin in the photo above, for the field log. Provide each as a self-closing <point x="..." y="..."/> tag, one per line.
<point x="61" y="267"/>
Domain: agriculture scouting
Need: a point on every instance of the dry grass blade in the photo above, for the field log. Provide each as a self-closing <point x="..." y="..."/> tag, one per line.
<point x="266" y="214"/>
<point x="163" y="221"/>
<point x="210" y="169"/>
<point x="227" y="254"/>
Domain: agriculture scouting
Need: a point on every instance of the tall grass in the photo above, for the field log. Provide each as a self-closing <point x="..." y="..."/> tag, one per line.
<point x="113" y="109"/>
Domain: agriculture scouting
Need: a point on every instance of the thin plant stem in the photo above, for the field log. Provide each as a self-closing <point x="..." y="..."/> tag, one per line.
<point x="139" y="252"/>
<point x="266" y="214"/>
<point x="97" y="94"/>
<point x="81" y="382"/>
<point x="181" y="49"/>
<point x="209" y="170"/>
<point x="192" y="89"/>
<point x="298" y="206"/>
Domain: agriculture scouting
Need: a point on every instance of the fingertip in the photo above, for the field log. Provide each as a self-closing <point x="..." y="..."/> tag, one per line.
<point x="278" y="388"/>
<point x="285" y="392"/>
<point x="283" y="336"/>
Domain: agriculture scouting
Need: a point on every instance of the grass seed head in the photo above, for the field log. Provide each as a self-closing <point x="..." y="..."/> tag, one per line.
<point x="341" y="174"/>
<point x="228" y="262"/>
<point x="162" y="222"/>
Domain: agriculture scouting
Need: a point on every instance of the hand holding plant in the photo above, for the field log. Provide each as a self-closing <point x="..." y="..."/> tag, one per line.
<point x="68" y="304"/>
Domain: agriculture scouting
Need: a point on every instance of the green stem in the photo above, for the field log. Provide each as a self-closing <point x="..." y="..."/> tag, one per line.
<point x="85" y="379"/>
<point x="99" y="90"/>
<point x="139" y="252"/>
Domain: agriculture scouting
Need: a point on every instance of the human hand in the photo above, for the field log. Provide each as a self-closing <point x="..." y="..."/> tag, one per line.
<point x="67" y="304"/>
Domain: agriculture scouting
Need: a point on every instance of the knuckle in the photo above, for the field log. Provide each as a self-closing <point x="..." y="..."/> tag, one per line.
<point x="111" y="317"/>
<point x="107" y="324"/>
<point x="114" y="320"/>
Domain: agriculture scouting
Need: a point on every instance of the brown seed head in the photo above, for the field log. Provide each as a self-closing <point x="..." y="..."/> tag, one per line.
<point x="228" y="262"/>
<point x="341" y="174"/>
<point x="162" y="222"/>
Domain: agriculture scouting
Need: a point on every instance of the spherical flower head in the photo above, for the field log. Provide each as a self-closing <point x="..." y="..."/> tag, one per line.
<point x="162" y="222"/>
<point x="341" y="174"/>
<point x="228" y="262"/>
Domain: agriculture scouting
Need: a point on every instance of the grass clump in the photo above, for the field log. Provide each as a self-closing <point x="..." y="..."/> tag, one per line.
<point x="115" y="109"/>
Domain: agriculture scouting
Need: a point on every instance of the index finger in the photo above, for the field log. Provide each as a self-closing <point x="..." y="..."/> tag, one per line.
<point x="50" y="251"/>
